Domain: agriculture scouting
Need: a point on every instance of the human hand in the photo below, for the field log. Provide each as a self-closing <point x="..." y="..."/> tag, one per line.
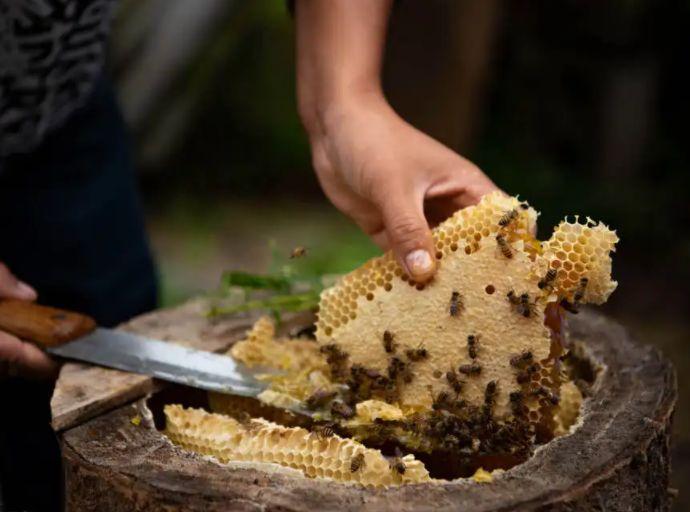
<point x="18" y="357"/>
<point x="392" y="179"/>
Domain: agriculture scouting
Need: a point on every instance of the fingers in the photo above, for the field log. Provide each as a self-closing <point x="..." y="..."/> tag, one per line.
<point x="13" y="288"/>
<point x="20" y="358"/>
<point x="408" y="233"/>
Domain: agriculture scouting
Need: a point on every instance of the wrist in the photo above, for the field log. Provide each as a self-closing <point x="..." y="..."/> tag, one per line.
<point x="322" y="115"/>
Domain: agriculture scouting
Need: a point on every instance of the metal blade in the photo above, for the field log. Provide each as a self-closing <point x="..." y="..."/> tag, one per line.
<point x="166" y="361"/>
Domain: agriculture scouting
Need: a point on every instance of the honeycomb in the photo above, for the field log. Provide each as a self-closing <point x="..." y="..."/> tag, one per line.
<point x="305" y="368"/>
<point x="568" y="409"/>
<point x="316" y="456"/>
<point x="467" y="365"/>
<point x="484" y="253"/>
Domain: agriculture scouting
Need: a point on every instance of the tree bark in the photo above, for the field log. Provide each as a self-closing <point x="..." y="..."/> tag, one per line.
<point x="617" y="459"/>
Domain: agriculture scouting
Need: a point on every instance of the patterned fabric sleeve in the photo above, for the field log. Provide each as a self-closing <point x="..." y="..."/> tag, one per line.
<point x="51" y="54"/>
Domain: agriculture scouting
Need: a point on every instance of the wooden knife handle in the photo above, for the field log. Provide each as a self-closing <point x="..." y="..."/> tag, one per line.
<point x="43" y="325"/>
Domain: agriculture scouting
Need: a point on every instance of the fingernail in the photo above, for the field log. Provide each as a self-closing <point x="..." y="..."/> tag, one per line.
<point x="25" y="291"/>
<point x="419" y="263"/>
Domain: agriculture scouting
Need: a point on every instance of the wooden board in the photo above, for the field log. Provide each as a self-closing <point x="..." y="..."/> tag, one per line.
<point x="617" y="459"/>
<point x="84" y="391"/>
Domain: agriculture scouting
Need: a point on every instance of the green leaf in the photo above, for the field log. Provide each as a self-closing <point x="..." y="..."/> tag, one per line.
<point x="255" y="281"/>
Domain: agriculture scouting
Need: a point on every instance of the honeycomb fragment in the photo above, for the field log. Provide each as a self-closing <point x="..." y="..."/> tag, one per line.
<point x="568" y="409"/>
<point x="305" y="368"/>
<point x="488" y="285"/>
<point x="257" y="440"/>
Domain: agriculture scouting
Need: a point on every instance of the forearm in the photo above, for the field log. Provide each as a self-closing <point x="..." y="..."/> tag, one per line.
<point x="339" y="55"/>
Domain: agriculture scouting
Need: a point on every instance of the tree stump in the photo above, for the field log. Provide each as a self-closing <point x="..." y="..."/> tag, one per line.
<point x="616" y="459"/>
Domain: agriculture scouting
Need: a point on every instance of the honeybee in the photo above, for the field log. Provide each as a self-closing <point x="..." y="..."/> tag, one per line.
<point x="298" y="252"/>
<point x="324" y="430"/>
<point x="580" y="292"/>
<point x="333" y="353"/>
<point x="521" y="359"/>
<point x="490" y="392"/>
<point x="470" y="369"/>
<point x="516" y="400"/>
<point x="245" y="419"/>
<point x="442" y="401"/>
<point x="551" y="397"/>
<point x="489" y="398"/>
<point x="336" y="359"/>
<point x="417" y="354"/>
<point x="521" y="303"/>
<point x="547" y="280"/>
<point x="397" y="464"/>
<point x="416" y="424"/>
<point x="508" y="218"/>
<point x="389" y="342"/>
<point x="472" y="340"/>
<point x="357" y="463"/>
<point x="342" y="409"/>
<point x="319" y="398"/>
<point x="504" y="246"/>
<point x="453" y="381"/>
<point x="569" y="307"/>
<point x="456" y="304"/>
<point x="397" y="368"/>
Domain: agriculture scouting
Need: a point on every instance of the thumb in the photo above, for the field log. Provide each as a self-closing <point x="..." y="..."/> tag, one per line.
<point x="13" y="288"/>
<point x="408" y="233"/>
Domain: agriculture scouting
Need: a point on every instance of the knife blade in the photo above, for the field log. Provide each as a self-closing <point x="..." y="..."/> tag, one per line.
<point x="75" y="336"/>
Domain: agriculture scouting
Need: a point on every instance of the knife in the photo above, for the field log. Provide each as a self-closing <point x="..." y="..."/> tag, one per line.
<point x="71" y="335"/>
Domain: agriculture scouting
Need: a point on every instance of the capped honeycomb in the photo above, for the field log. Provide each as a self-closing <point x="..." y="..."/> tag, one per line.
<point x="315" y="455"/>
<point x="492" y="290"/>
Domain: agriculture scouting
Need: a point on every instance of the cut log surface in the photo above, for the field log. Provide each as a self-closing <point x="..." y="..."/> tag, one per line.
<point x="616" y="459"/>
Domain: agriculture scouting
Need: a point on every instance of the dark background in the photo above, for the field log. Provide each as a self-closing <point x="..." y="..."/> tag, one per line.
<point x="580" y="107"/>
